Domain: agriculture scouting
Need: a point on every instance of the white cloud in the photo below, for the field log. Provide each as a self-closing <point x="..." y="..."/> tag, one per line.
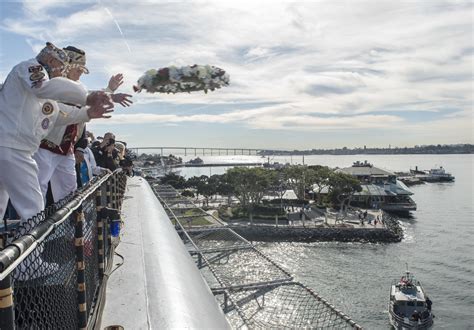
<point x="350" y="61"/>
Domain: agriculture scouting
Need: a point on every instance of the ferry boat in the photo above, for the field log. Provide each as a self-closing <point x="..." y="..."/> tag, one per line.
<point x="433" y="175"/>
<point x="409" y="307"/>
<point x="439" y="175"/>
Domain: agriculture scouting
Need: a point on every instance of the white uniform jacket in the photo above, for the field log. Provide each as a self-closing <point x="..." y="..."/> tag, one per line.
<point x="27" y="104"/>
<point x="67" y="115"/>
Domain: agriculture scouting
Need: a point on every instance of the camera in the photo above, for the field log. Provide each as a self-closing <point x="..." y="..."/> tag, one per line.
<point x="126" y="162"/>
<point x="111" y="141"/>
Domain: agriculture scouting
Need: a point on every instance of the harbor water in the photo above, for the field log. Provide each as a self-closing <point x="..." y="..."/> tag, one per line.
<point x="438" y="245"/>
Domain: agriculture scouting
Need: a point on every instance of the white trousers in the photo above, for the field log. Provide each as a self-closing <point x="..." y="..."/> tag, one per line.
<point x="19" y="182"/>
<point x="58" y="169"/>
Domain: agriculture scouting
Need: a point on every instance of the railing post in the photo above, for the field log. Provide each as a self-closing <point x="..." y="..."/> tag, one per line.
<point x="113" y="190"/>
<point x="100" y="233"/>
<point x="108" y="193"/>
<point x="7" y="309"/>
<point x="81" y="266"/>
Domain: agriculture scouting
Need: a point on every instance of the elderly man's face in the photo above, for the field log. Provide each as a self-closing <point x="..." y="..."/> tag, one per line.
<point x="74" y="73"/>
<point x="55" y="65"/>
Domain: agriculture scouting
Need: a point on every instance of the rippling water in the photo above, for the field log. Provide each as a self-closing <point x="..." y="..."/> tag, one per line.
<point x="438" y="246"/>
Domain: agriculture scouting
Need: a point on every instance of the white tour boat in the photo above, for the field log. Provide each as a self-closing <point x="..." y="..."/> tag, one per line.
<point x="409" y="307"/>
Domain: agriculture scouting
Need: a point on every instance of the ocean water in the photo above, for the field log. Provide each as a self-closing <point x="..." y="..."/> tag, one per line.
<point x="438" y="245"/>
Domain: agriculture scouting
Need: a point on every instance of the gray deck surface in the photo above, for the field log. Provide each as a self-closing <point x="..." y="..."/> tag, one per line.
<point x="158" y="286"/>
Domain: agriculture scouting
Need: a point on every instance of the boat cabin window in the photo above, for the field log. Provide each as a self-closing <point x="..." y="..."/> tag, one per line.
<point x="410" y="303"/>
<point x="420" y="303"/>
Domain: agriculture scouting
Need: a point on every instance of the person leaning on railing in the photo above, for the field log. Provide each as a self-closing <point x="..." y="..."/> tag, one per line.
<point x="28" y="111"/>
<point x="55" y="157"/>
<point x="86" y="166"/>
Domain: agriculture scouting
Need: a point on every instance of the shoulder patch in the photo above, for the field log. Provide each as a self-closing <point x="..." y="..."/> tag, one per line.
<point x="37" y="83"/>
<point x="45" y="123"/>
<point x="35" y="76"/>
<point x="35" y="68"/>
<point x="47" y="109"/>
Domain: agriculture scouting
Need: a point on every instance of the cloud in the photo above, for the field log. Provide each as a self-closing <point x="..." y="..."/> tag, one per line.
<point x="325" y="65"/>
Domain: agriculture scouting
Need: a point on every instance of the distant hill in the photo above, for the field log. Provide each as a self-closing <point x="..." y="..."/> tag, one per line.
<point x="425" y="149"/>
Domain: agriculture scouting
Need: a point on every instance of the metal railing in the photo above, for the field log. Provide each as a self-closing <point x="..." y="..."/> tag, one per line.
<point x="54" y="266"/>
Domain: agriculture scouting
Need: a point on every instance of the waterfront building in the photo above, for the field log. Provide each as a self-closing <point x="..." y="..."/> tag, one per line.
<point x="380" y="189"/>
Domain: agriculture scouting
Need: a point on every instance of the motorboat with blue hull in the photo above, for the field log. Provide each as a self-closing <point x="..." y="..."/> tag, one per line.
<point x="409" y="306"/>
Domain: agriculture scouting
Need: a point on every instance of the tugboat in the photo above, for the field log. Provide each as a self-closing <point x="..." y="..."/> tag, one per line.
<point x="409" y="306"/>
<point x="433" y="175"/>
<point x="439" y="175"/>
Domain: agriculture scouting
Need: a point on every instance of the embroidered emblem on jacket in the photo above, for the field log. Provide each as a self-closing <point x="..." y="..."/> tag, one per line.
<point x="47" y="109"/>
<point x="35" y="68"/>
<point x="45" y="123"/>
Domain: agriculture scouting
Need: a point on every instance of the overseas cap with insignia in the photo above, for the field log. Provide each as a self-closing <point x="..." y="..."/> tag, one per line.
<point x="54" y="51"/>
<point x="77" y="58"/>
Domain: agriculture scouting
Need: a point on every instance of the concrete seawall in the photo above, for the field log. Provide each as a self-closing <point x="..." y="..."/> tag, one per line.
<point x="392" y="233"/>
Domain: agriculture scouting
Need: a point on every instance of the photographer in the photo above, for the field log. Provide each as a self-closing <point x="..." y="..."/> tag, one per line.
<point x="105" y="154"/>
<point x="126" y="157"/>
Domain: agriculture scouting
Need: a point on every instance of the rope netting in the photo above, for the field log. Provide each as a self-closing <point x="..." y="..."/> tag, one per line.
<point x="253" y="290"/>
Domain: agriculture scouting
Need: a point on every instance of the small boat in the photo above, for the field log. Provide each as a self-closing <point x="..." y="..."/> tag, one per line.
<point x="409" y="306"/>
<point x="433" y="175"/>
<point x="439" y="175"/>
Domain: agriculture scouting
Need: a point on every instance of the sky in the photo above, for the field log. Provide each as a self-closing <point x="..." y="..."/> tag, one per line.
<point x="303" y="75"/>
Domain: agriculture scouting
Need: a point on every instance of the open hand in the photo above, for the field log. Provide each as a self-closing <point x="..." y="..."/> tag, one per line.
<point x="115" y="82"/>
<point x="99" y="98"/>
<point x="123" y="99"/>
<point x="100" y="111"/>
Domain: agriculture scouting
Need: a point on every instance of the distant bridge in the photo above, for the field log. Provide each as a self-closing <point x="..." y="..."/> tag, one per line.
<point x="210" y="151"/>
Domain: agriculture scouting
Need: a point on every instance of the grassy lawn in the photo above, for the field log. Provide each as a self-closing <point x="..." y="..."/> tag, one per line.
<point x="199" y="221"/>
<point x="192" y="212"/>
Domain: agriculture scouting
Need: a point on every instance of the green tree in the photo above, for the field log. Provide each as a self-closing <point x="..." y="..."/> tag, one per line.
<point x="187" y="193"/>
<point x="224" y="188"/>
<point x="278" y="184"/>
<point x="342" y="187"/>
<point x="295" y="177"/>
<point x="249" y="186"/>
<point x="195" y="181"/>
<point x="174" y="180"/>
<point x="320" y="178"/>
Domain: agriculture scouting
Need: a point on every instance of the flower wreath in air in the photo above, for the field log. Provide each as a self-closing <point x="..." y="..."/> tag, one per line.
<point x="184" y="79"/>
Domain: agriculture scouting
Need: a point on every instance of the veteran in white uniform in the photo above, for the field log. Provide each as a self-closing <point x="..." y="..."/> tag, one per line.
<point x="55" y="157"/>
<point x="28" y="111"/>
